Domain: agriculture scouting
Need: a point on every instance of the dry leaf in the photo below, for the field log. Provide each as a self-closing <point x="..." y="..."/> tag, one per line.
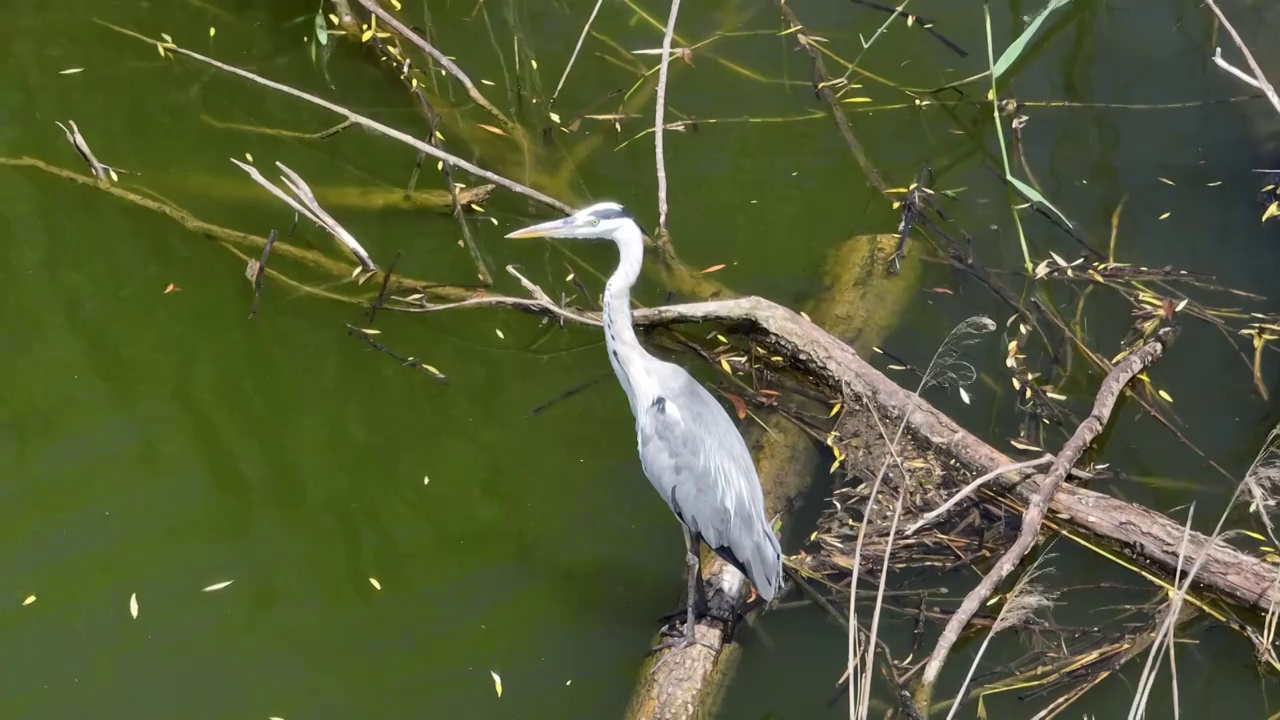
<point x="497" y="683"/>
<point x="714" y="268"/>
<point x="492" y="129"/>
<point x="171" y="288"/>
<point x="217" y="586"/>
<point x="374" y="582"/>
<point x="739" y="407"/>
<point x="133" y="605"/>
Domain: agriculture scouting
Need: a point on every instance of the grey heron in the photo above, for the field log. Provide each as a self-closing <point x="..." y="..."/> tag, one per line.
<point x="689" y="447"/>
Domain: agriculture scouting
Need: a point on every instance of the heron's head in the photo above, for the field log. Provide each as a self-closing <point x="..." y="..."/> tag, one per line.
<point x="602" y="220"/>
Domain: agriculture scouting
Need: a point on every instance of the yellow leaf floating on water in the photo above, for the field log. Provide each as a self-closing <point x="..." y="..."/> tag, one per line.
<point x="492" y="129"/>
<point x="1273" y="211"/>
<point x="70" y="71"/>
<point x="504" y="337"/>
<point x="212" y="31"/>
<point x="217" y="586"/>
<point x="30" y="599"/>
<point x="1164" y="395"/>
<point x="714" y="268"/>
<point x="395" y="4"/>
<point x="856" y="99"/>
<point x="497" y="683"/>
<point x="133" y="605"/>
<point x="374" y="582"/>
<point x="725" y="364"/>
<point x="1162" y="217"/>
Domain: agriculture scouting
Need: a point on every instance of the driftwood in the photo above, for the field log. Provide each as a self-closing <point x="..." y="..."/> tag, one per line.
<point x="1148" y="534"/>
<point x="834" y="366"/>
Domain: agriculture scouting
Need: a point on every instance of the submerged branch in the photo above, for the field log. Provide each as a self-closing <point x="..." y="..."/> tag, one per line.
<point x="360" y="120"/>
<point x="1110" y="391"/>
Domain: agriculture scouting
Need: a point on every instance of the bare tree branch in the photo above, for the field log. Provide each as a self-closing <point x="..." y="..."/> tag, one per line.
<point x="449" y="66"/>
<point x="1259" y="78"/>
<point x="1112" y="387"/>
<point x="307" y="206"/>
<point x="660" y="110"/>
<point x="361" y="121"/>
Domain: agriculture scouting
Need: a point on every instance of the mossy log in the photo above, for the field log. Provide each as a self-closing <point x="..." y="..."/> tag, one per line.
<point x="861" y="306"/>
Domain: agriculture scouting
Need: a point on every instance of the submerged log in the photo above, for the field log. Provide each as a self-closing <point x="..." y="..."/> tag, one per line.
<point x="357" y="198"/>
<point x="862" y="306"/>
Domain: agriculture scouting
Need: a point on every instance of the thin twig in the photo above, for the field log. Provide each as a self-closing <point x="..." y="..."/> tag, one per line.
<point x="1261" y="79"/>
<point x="259" y="270"/>
<point x="968" y="490"/>
<point x="449" y="66"/>
<point x="361" y="121"/>
<point x="82" y="147"/>
<point x="659" y="111"/>
<point x="576" y="48"/>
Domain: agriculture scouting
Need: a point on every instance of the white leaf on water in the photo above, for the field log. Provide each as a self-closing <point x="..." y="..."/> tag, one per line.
<point x="217" y="586"/>
<point x="497" y="683"/>
<point x="504" y="337"/>
<point x="30" y="599"/>
<point x="964" y="395"/>
<point x="133" y="605"/>
<point x="425" y="480"/>
<point x="70" y="71"/>
<point x="374" y="582"/>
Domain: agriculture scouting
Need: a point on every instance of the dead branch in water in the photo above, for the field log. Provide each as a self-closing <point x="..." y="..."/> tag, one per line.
<point x="835" y="367"/>
<point x="306" y="205"/>
<point x="1112" y="388"/>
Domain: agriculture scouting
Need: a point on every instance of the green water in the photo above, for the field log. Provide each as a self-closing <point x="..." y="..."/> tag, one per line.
<point x="159" y="443"/>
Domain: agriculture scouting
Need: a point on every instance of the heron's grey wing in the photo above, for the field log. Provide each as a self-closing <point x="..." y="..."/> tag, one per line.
<point x="699" y="463"/>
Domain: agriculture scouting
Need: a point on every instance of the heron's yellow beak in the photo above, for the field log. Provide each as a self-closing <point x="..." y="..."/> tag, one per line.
<point x="551" y="228"/>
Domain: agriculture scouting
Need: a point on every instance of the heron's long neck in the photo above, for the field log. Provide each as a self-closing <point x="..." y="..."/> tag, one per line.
<point x="625" y="353"/>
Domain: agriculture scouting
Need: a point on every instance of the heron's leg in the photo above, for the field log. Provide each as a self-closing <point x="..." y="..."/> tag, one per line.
<point x="696" y="591"/>
<point x="680" y="641"/>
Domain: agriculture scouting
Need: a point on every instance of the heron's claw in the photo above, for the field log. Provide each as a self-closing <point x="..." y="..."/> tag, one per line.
<point x="675" y="642"/>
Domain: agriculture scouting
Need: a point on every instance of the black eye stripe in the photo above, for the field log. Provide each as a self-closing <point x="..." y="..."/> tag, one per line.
<point x="610" y="213"/>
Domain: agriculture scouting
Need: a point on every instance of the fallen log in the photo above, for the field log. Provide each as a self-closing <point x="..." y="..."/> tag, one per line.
<point x="1148" y="534"/>
<point x="835" y="367"/>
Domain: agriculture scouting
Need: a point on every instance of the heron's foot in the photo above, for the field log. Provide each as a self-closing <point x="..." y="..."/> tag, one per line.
<point x="676" y="641"/>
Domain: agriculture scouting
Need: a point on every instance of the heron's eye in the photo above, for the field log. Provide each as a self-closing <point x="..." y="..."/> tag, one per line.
<point x="595" y="221"/>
